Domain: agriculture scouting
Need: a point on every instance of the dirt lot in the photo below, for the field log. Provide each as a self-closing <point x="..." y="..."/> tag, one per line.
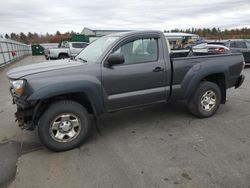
<point x="159" y="146"/>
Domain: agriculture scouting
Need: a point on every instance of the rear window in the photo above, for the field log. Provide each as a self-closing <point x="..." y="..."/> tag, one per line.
<point x="238" y="44"/>
<point x="79" y="45"/>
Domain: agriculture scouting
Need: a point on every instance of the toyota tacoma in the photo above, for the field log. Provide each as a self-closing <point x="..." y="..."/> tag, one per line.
<point x="115" y="72"/>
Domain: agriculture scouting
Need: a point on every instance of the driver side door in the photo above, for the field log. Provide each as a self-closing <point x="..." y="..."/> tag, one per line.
<point x="139" y="80"/>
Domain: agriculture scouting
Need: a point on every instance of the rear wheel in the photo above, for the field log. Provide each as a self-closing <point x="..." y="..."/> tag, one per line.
<point x="64" y="125"/>
<point x="205" y="100"/>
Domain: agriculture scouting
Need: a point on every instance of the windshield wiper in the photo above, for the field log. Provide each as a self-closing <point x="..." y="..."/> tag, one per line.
<point x="85" y="61"/>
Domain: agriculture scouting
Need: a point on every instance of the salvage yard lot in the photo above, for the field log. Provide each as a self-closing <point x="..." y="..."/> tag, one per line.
<point x="159" y="146"/>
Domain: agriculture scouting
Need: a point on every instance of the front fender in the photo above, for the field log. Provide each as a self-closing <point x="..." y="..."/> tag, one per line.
<point x="91" y="90"/>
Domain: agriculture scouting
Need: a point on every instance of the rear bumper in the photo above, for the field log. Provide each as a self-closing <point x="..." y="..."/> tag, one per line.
<point x="239" y="81"/>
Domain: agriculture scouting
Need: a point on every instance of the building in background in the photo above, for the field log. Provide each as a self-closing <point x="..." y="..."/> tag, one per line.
<point x="49" y="45"/>
<point x="93" y="34"/>
<point x="100" y="32"/>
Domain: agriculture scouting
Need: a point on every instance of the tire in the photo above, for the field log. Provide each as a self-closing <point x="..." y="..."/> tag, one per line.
<point x="64" y="125"/>
<point x="206" y="100"/>
<point x="63" y="56"/>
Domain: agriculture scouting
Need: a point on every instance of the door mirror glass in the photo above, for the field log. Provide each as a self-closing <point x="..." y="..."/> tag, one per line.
<point x="115" y="59"/>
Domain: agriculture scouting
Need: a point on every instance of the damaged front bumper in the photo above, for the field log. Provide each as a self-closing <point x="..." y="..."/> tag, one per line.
<point x="24" y="118"/>
<point x="25" y="114"/>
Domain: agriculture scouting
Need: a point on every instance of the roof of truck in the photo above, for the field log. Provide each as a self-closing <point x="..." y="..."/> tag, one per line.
<point x="134" y="32"/>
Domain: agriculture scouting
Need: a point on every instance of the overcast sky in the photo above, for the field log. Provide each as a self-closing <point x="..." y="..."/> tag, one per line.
<point x="43" y="16"/>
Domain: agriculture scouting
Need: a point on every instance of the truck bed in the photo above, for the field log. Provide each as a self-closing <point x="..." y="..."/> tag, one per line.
<point x="185" y="67"/>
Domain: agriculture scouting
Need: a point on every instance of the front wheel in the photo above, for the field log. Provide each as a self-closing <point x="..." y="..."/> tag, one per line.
<point x="64" y="125"/>
<point x="205" y="100"/>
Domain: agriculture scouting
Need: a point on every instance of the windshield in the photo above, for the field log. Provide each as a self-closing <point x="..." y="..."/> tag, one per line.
<point x="94" y="50"/>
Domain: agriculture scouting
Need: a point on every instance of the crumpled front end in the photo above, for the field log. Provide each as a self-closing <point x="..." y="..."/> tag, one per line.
<point x="25" y="111"/>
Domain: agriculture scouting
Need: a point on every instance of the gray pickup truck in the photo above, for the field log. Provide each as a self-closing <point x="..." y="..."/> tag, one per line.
<point x="115" y="72"/>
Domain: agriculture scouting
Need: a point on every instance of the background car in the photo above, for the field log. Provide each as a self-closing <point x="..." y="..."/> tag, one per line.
<point x="210" y="48"/>
<point x="240" y="45"/>
<point x="200" y="49"/>
<point x="69" y="49"/>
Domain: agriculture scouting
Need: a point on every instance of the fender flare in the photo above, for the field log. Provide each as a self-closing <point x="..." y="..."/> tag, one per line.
<point x="194" y="76"/>
<point x="89" y="89"/>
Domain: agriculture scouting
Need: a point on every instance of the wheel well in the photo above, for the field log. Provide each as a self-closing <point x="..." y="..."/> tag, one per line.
<point x="80" y="98"/>
<point x="63" y="54"/>
<point x="219" y="79"/>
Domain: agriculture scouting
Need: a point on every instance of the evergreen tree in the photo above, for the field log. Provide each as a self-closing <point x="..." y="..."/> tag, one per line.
<point x="6" y="36"/>
<point x="23" y="38"/>
<point x="13" y="36"/>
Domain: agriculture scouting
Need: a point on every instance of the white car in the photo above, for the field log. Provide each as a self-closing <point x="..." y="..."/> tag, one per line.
<point x="70" y="49"/>
<point x="210" y="48"/>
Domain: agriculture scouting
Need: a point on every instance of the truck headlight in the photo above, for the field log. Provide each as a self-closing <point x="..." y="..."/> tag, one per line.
<point x="18" y="86"/>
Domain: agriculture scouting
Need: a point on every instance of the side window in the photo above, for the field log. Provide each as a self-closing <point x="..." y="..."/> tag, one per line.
<point x="240" y="44"/>
<point x="66" y="45"/>
<point x="139" y="51"/>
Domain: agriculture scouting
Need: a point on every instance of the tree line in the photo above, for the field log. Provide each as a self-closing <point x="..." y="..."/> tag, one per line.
<point x="217" y="33"/>
<point x="35" y="38"/>
<point x="208" y="33"/>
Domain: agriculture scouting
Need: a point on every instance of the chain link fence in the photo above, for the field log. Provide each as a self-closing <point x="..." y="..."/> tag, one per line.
<point x="11" y="51"/>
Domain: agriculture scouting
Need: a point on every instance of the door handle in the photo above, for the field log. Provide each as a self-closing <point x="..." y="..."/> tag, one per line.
<point x="158" y="69"/>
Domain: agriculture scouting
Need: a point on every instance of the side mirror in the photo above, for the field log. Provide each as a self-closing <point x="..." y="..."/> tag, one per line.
<point x="115" y="59"/>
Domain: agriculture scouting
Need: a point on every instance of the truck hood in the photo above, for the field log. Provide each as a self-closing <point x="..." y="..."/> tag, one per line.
<point x="19" y="72"/>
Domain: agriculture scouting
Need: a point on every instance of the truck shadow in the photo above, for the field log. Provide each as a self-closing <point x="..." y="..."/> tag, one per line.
<point x="160" y="115"/>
